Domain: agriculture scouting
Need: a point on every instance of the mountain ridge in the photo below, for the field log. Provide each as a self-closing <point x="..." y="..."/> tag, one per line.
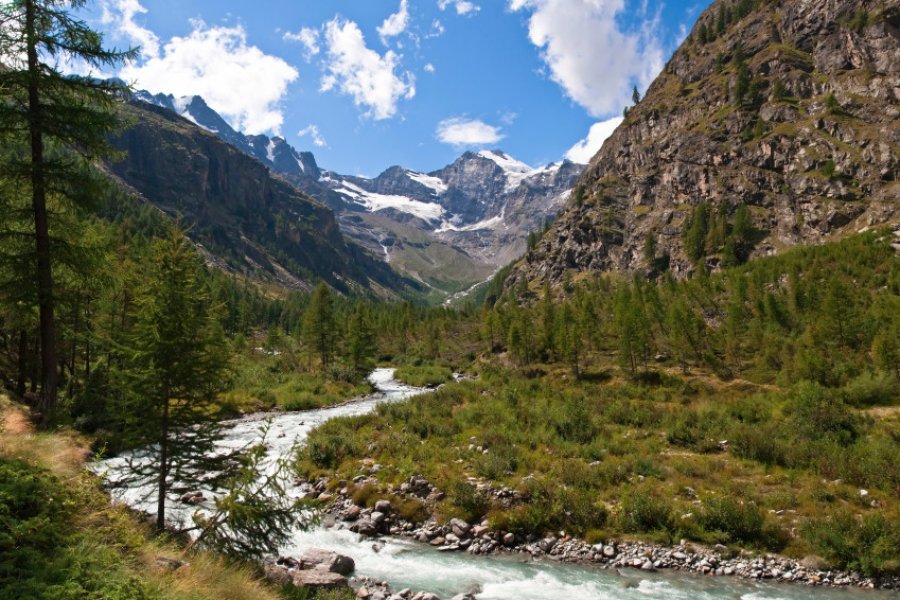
<point x="786" y="108"/>
<point x="475" y="213"/>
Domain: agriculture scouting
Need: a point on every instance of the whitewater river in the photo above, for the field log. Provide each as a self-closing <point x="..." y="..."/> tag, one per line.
<point x="417" y="566"/>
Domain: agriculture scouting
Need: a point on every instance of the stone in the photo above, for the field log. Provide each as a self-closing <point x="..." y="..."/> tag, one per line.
<point x="328" y="560"/>
<point x="383" y="506"/>
<point x="319" y="580"/>
<point x="509" y="539"/>
<point x="364" y="527"/>
<point x="377" y="517"/>
<point x="459" y="527"/>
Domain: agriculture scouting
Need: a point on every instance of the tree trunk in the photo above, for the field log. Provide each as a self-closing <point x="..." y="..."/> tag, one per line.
<point x="163" y="469"/>
<point x="23" y="364"/>
<point x="49" y="377"/>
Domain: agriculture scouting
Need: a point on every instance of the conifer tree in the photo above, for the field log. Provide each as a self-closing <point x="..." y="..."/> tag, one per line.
<point x="319" y="328"/>
<point x="360" y="341"/>
<point x="173" y="372"/>
<point x="570" y="338"/>
<point x="60" y="125"/>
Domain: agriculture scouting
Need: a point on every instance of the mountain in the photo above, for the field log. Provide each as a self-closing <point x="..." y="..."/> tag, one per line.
<point x="789" y="108"/>
<point x="242" y="217"/>
<point x="450" y="228"/>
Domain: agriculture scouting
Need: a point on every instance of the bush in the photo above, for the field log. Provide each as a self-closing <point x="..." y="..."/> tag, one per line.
<point x="740" y="522"/>
<point x="870" y="545"/>
<point x="871" y="389"/>
<point x="468" y="503"/>
<point x="642" y="512"/>
<point x="427" y="376"/>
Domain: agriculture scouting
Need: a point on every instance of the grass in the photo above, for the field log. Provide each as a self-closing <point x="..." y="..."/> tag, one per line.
<point x="62" y="539"/>
<point x="268" y="381"/>
<point x="423" y="376"/>
<point x="612" y="456"/>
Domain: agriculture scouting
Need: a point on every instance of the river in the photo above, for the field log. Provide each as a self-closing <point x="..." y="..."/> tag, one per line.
<point x="405" y="563"/>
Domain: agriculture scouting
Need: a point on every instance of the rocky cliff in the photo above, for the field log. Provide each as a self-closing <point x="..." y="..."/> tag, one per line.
<point x="243" y="217"/>
<point x="790" y="108"/>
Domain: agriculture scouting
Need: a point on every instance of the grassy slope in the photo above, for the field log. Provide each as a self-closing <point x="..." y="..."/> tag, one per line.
<point x="61" y="539"/>
<point x="439" y="265"/>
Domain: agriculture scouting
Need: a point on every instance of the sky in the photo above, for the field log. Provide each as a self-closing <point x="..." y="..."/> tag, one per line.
<point x="367" y="84"/>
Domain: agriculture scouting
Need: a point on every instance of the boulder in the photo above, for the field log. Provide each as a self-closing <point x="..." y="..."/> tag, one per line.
<point x="316" y="558"/>
<point x="459" y="527"/>
<point x="319" y="579"/>
<point x="383" y="506"/>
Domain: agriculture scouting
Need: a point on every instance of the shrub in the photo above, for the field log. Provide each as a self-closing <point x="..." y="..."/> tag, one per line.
<point x="740" y="522"/>
<point x="427" y="376"/>
<point x="641" y="511"/>
<point x="870" y="544"/>
<point x="469" y="503"/>
<point x="871" y="389"/>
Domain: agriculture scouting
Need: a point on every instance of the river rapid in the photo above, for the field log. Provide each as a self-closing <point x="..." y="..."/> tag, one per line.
<point x="403" y="563"/>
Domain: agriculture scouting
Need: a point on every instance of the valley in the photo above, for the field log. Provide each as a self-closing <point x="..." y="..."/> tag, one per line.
<point x="664" y="363"/>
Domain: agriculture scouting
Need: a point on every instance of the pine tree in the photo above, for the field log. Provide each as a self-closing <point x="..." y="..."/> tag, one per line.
<point x="319" y="328"/>
<point x="570" y="338"/>
<point x="695" y="233"/>
<point x="173" y="372"/>
<point x="635" y="95"/>
<point x="360" y="341"/>
<point x="64" y="122"/>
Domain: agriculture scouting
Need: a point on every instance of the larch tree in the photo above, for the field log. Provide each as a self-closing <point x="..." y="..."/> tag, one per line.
<point x="59" y="125"/>
<point x="174" y="371"/>
<point x="360" y="341"/>
<point x="319" y="327"/>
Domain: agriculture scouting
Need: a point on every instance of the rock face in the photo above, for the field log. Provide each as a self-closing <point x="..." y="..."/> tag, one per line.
<point x="242" y="217"/>
<point x="792" y="109"/>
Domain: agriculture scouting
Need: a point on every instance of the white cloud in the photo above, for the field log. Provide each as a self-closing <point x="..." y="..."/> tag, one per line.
<point x="429" y="68"/>
<point x="313" y="132"/>
<point x="437" y="29"/>
<point x="584" y="151"/>
<point x="121" y="13"/>
<point x="309" y="38"/>
<point x="238" y="80"/>
<point x="463" y="7"/>
<point x="356" y="70"/>
<point x="460" y="131"/>
<point x="589" y="55"/>
<point x="396" y="23"/>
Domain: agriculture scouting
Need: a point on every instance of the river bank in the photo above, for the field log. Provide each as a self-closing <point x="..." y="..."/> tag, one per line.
<point x="479" y="539"/>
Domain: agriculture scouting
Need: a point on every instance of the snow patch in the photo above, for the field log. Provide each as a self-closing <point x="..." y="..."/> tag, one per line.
<point x="491" y="223"/>
<point x="373" y="202"/>
<point x="432" y="183"/>
<point x="270" y="151"/>
<point x="515" y="170"/>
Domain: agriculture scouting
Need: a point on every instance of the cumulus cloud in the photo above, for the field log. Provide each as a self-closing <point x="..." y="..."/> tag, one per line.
<point x="238" y="80"/>
<point x="460" y="131"/>
<point x="354" y="69"/>
<point x="396" y="23"/>
<point x="308" y="38"/>
<point x="429" y="68"/>
<point x="313" y="132"/>
<point x="584" y="151"/>
<point x="588" y="52"/>
<point x="121" y="14"/>
<point x="463" y="7"/>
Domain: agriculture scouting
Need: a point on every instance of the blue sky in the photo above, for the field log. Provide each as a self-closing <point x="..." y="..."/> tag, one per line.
<point x="366" y="84"/>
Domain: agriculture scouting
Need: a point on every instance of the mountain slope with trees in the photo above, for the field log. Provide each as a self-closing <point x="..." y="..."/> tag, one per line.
<point x="773" y="125"/>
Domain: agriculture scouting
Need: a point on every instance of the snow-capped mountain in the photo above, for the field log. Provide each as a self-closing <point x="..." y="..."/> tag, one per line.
<point x="449" y="228"/>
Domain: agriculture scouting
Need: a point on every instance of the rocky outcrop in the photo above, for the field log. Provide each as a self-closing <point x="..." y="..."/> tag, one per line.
<point x="792" y="110"/>
<point x="244" y="218"/>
